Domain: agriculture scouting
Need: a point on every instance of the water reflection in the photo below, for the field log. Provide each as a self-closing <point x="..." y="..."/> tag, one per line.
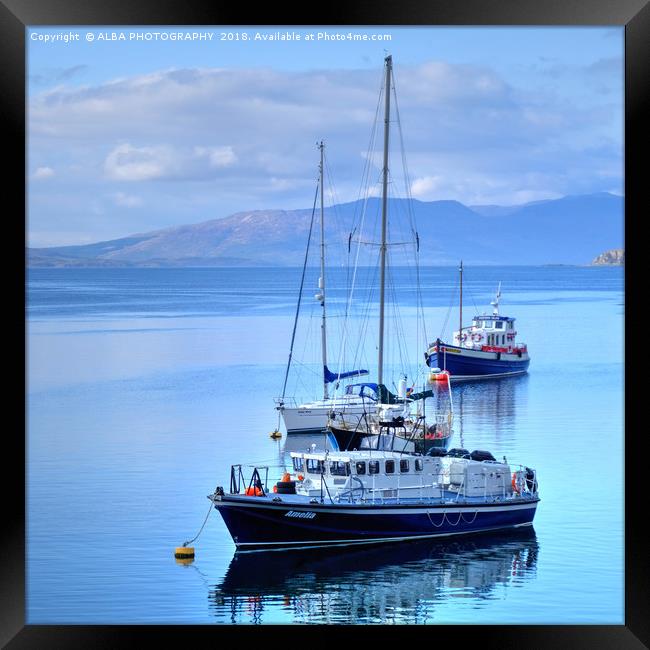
<point x="373" y="584"/>
<point x="490" y="404"/>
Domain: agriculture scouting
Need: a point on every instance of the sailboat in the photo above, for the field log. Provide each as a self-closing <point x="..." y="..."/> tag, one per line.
<point x="312" y="417"/>
<point x="487" y="348"/>
<point x="379" y="493"/>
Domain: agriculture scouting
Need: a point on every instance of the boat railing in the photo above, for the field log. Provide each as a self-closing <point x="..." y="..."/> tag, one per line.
<point x="523" y="484"/>
<point x="237" y="479"/>
<point x="281" y="402"/>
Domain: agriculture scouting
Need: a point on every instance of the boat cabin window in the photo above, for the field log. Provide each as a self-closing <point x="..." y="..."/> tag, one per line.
<point x="298" y="464"/>
<point x="403" y="465"/>
<point x="390" y="467"/>
<point x="499" y="324"/>
<point x="418" y="464"/>
<point x="373" y="467"/>
<point x="315" y="466"/>
<point x="361" y="391"/>
<point x="361" y="467"/>
<point x="339" y="468"/>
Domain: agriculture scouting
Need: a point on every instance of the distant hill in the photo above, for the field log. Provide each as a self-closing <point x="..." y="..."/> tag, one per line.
<point x="615" y="257"/>
<point x="561" y="231"/>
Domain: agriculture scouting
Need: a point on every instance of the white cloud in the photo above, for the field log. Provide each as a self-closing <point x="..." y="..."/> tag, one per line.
<point x="43" y="172"/>
<point x="217" y="156"/>
<point x="252" y="133"/>
<point x="127" y="162"/>
<point x="425" y="187"/>
<point x="126" y="200"/>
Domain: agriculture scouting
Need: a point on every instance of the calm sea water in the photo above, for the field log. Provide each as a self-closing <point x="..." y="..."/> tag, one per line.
<point x="145" y="385"/>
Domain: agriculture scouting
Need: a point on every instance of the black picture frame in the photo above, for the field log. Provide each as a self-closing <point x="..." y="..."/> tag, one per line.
<point x="17" y="15"/>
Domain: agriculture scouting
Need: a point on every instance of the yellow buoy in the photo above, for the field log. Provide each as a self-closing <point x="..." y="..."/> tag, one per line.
<point x="275" y="434"/>
<point x="186" y="560"/>
<point x="184" y="552"/>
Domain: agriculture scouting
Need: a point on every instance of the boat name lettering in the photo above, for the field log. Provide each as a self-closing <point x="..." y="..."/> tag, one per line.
<point x="300" y="515"/>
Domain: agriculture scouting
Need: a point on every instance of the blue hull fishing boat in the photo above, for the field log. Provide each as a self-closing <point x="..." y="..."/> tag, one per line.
<point x="375" y="496"/>
<point x="388" y="489"/>
<point x="485" y="349"/>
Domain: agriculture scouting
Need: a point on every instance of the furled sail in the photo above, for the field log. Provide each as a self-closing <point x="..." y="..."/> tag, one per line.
<point x="333" y="376"/>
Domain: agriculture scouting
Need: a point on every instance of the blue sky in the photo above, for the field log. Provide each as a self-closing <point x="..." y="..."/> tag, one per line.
<point x="128" y="135"/>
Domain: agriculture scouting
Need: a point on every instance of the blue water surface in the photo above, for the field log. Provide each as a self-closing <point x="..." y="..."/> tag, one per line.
<point x="145" y="385"/>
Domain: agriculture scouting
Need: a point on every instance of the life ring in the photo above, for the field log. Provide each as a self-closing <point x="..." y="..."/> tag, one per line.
<point x="477" y="337"/>
<point x="463" y="337"/>
<point x="515" y="487"/>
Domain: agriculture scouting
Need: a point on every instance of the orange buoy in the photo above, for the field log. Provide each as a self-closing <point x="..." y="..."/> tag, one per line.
<point x="253" y="491"/>
<point x="286" y="477"/>
<point x="515" y="487"/>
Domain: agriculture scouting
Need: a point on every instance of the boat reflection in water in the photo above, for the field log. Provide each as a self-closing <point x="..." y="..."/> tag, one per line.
<point x="391" y="583"/>
<point x="490" y="408"/>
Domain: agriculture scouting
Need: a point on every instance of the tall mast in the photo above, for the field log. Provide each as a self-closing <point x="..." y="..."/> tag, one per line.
<point x="321" y="280"/>
<point x="384" y="205"/>
<point x="460" y="323"/>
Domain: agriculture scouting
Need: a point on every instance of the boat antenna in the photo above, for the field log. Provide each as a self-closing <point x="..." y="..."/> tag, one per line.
<point x="384" y="205"/>
<point x="495" y="302"/>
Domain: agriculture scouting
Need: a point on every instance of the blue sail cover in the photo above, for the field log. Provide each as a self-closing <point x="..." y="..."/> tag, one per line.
<point x="331" y="376"/>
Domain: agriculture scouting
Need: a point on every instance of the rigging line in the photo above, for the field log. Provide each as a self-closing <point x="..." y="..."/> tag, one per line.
<point x="407" y="178"/>
<point x="451" y="304"/>
<point x="411" y="215"/>
<point x="308" y="339"/>
<point x="471" y="295"/>
<point x="302" y="283"/>
<point x="365" y="176"/>
<point x="344" y="333"/>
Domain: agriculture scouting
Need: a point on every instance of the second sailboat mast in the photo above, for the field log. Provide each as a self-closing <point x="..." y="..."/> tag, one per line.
<point x="321" y="281"/>
<point x="384" y="209"/>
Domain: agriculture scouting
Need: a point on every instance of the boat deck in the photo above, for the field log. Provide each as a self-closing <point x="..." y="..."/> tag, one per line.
<point x="448" y="499"/>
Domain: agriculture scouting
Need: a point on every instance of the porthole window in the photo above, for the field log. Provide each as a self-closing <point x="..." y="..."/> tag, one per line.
<point x="361" y="467"/>
<point x="418" y="464"/>
<point x="373" y="467"/>
<point x="390" y="467"/>
<point x="403" y="466"/>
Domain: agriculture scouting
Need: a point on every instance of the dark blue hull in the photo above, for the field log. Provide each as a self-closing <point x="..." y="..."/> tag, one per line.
<point x="346" y="440"/>
<point x="256" y="522"/>
<point x="461" y="363"/>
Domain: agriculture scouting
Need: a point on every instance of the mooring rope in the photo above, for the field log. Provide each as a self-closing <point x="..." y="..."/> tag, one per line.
<point x="201" y="529"/>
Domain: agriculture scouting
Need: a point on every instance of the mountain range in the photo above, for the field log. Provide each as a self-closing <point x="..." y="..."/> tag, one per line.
<point x="569" y="230"/>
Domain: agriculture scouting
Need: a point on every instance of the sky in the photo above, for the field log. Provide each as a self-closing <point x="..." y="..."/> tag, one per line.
<point x="134" y="129"/>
